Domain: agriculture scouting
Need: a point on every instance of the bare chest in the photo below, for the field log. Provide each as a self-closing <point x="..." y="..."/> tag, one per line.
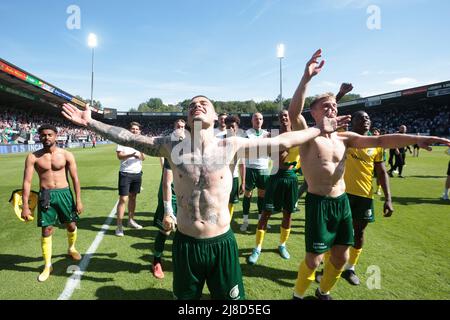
<point x="50" y="162"/>
<point x="327" y="150"/>
<point x="203" y="170"/>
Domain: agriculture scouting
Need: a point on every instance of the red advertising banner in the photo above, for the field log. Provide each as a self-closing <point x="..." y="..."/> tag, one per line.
<point x="8" y="69"/>
<point x="414" y="91"/>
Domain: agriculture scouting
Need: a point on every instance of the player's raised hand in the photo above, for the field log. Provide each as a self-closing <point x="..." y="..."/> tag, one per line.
<point x="345" y="88"/>
<point x="77" y="116"/>
<point x="313" y="66"/>
<point x="330" y="125"/>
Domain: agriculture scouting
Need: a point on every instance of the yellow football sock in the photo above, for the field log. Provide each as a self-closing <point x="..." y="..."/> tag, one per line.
<point x="284" y="235"/>
<point x="72" y="238"/>
<point x="304" y="278"/>
<point x="326" y="257"/>
<point x="46" y="243"/>
<point x="354" y="256"/>
<point x="231" y="209"/>
<point x="260" y="238"/>
<point x="329" y="278"/>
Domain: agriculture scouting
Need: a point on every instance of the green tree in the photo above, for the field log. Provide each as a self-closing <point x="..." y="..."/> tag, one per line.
<point x="350" y="97"/>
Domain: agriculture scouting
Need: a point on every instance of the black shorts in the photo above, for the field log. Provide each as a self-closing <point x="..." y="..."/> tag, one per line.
<point x="448" y="169"/>
<point x="129" y="183"/>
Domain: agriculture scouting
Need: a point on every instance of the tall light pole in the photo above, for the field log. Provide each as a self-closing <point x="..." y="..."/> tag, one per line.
<point x="92" y="43"/>
<point x="280" y="55"/>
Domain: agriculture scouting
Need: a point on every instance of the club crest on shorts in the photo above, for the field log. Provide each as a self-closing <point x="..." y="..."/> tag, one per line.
<point x="234" y="292"/>
<point x="368" y="213"/>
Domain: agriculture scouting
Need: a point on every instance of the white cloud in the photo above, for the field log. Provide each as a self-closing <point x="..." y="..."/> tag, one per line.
<point x="403" y="81"/>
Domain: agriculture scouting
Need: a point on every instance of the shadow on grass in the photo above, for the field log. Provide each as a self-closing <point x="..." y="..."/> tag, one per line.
<point x="279" y="276"/>
<point x="426" y="177"/>
<point x="418" y="200"/>
<point x="118" y="293"/>
<point x="96" y="223"/>
<point x="150" y="247"/>
<point x="99" y="188"/>
<point x="112" y="266"/>
<point x="60" y="265"/>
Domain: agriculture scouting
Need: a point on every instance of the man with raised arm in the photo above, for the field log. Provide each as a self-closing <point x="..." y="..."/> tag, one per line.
<point x="328" y="223"/>
<point x="204" y="247"/>
<point x="56" y="202"/>
<point x="360" y="166"/>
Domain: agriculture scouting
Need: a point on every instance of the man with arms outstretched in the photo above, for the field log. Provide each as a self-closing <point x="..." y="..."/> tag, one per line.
<point x="204" y="247"/>
<point x="360" y="166"/>
<point x="328" y="223"/>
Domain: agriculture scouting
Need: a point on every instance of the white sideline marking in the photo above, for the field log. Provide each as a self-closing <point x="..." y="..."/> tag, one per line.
<point x="74" y="281"/>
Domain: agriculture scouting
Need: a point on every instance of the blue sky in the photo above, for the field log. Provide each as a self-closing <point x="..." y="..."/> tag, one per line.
<point x="226" y="49"/>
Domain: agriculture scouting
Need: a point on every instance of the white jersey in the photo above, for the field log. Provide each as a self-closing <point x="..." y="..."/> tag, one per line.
<point x="236" y="169"/>
<point x="130" y="165"/>
<point x="220" y="134"/>
<point x="260" y="163"/>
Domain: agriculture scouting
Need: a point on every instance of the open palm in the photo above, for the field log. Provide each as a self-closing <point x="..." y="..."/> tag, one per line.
<point x="313" y="67"/>
<point x="75" y="115"/>
<point x="330" y="125"/>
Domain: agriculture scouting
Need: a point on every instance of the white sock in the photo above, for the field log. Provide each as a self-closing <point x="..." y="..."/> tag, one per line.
<point x="350" y="267"/>
<point x="245" y="218"/>
<point x="323" y="292"/>
<point x="297" y="295"/>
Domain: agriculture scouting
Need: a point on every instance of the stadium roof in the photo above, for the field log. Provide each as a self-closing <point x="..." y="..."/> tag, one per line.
<point x="20" y="88"/>
<point x="428" y="91"/>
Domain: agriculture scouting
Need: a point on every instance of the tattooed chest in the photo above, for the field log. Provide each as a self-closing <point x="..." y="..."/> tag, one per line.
<point x="201" y="171"/>
<point x="203" y="182"/>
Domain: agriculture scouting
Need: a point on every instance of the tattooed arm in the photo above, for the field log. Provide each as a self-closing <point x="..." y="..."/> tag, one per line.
<point x="257" y="148"/>
<point x="153" y="146"/>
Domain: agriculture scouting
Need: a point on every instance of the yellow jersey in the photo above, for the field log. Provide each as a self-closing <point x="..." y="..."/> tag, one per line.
<point x="359" y="167"/>
<point x="17" y="205"/>
<point x="293" y="156"/>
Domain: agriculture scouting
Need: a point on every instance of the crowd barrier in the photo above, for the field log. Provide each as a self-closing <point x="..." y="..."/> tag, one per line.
<point x="20" y="148"/>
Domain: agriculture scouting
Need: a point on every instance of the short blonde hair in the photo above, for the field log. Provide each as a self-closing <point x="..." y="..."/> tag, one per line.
<point x="324" y="96"/>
